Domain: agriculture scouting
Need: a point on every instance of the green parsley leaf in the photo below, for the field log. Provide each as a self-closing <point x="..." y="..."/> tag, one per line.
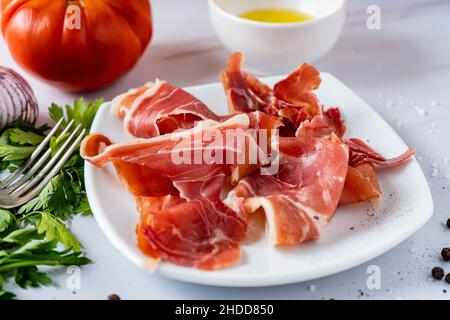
<point x="61" y="201"/>
<point x="56" y="230"/>
<point x="6" y="219"/>
<point x="59" y="197"/>
<point x="22" y="236"/>
<point x="40" y="253"/>
<point x="33" y="205"/>
<point x="4" y="137"/>
<point x="81" y="112"/>
<point x="25" y="137"/>
<point x="5" y="295"/>
<point x="10" y="153"/>
<point x="83" y="207"/>
<point x="56" y="113"/>
<point x="22" y="125"/>
<point x="74" y="162"/>
<point x="31" y="277"/>
<point x="57" y="142"/>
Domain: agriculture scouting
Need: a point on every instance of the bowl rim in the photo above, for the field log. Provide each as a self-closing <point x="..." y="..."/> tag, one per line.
<point x="275" y="25"/>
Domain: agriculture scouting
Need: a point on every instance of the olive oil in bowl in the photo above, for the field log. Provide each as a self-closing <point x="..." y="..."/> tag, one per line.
<point x="274" y="15"/>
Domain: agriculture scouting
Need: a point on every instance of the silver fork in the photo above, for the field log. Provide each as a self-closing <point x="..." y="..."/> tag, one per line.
<point x="19" y="188"/>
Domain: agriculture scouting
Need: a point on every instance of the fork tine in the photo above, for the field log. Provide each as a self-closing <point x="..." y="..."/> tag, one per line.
<point x="13" y="176"/>
<point x="54" y="170"/>
<point x="25" y="187"/>
<point x="16" y="184"/>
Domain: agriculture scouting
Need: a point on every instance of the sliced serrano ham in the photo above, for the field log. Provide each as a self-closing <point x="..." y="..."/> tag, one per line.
<point x="303" y="195"/>
<point x="298" y="104"/>
<point x="147" y="206"/>
<point x="244" y="92"/>
<point x="361" y="185"/>
<point x="183" y="219"/>
<point x="295" y="101"/>
<point x="292" y="99"/>
<point x="361" y="182"/>
<point x="181" y="166"/>
<point x="121" y="104"/>
<point x="150" y="167"/>
<point x="202" y="233"/>
<point x="159" y="108"/>
<point x="296" y="90"/>
<point x="323" y="125"/>
<point x="361" y="153"/>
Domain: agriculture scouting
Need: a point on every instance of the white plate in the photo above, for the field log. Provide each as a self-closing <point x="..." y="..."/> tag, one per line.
<point x="355" y="235"/>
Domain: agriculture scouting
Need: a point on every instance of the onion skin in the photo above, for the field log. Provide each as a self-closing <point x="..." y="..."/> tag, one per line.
<point x="17" y="99"/>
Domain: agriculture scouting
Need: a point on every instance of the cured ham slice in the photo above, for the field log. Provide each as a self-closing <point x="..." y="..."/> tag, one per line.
<point x="202" y="233"/>
<point x="361" y="182"/>
<point x="323" y="125"/>
<point x="303" y="196"/>
<point x="183" y="219"/>
<point x="361" y="185"/>
<point x="150" y="167"/>
<point x="296" y="90"/>
<point x="146" y="207"/>
<point x="159" y="108"/>
<point x="300" y="106"/>
<point x="244" y="92"/>
<point x="292" y="99"/>
<point x="269" y="125"/>
<point x="121" y="104"/>
<point x="361" y="153"/>
<point x="335" y="121"/>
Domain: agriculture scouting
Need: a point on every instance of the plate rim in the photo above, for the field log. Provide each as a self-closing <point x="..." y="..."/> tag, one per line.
<point x="274" y="280"/>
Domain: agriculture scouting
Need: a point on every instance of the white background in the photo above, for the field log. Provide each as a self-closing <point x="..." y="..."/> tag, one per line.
<point x="402" y="70"/>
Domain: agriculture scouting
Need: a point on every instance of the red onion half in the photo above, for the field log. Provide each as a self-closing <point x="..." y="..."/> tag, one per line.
<point x="17" y="99"/>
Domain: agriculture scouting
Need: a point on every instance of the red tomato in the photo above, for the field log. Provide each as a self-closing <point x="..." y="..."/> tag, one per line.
<point x="77" y="45"/>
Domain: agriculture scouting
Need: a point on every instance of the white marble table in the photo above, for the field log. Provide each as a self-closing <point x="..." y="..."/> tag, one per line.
<point x="402" y="70"/>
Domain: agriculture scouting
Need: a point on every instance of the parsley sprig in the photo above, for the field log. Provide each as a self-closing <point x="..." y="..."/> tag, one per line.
<point x="36" y="233"/>
<point x="17" y="142"/>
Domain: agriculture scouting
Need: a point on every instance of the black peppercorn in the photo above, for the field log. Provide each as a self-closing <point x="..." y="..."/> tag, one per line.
<point x="446" y="254"/>
<point x="437" y="273"/>
<point x="447" y="278"/>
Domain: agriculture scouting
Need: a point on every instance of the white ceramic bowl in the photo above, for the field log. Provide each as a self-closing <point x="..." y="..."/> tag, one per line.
<point x="276" y="48"/>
